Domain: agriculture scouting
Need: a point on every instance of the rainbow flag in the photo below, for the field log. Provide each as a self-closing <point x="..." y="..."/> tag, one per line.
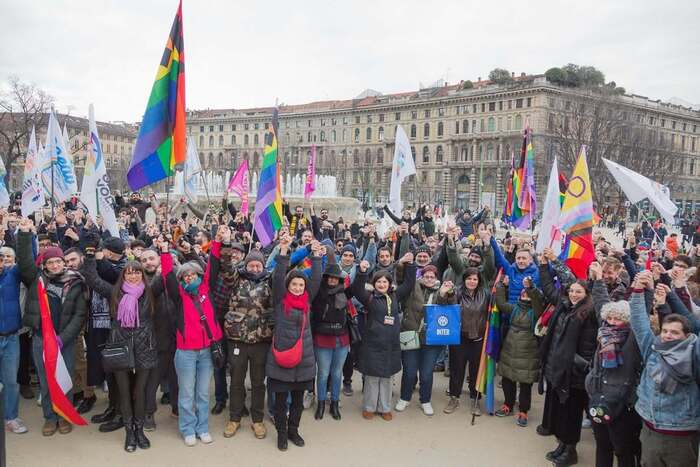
<point x="520" y="198"/>
<point x="490" y="350"/>
<point x="161" y="146"/>
<point x="268" y="205"/>
<point x="577" y="220"/>
<point x="57" y="376"/>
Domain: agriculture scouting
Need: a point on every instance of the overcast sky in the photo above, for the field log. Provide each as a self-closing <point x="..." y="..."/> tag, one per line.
<point x="245" y="54"/>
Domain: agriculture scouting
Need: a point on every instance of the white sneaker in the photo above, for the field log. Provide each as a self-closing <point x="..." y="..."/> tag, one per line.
<point x="401" y="405"/>
<point x="16" y="426"/>
<point x="190" y="440"/>
<point x="427" y="409"/>
<point x="38" y="399"/>
<point x="205" y="438"/>
<point x="309" y="399"/>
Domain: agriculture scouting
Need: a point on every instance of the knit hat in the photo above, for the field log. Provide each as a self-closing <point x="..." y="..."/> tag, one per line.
<point x="51" y="252"/>
<point x="379" y="274"/>
<point x="476" y="251"/>
<point x="349" y="247"/>
<point x="619" y="310"/>
<point x="333" y="270"/>
<point x="255" y="255"/>
<point x="114" y="244"/>
<point x="238" y="246"/>
<point x="293" y="274"/>
<point x="423" y="249"/>
<point x="189" y="267"/>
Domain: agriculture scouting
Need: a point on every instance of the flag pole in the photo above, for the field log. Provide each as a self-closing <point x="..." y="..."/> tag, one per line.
<point x="206" y="189"/>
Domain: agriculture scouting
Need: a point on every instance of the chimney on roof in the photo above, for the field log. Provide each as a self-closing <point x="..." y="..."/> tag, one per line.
<point x="479" y="80"/>
<point x="522" y="75"/>
<point x="512" y="74"/>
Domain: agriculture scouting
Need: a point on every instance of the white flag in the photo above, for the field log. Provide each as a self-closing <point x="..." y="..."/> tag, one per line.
<point x="637" y="187"/>
<point x="191" y="171"/>
<point x="4" y="195"/>
<point x="95" y="193"/>
<point x="402" y="167"/>
<point x="66" y="141"/>
<point x="32" y="191"/>
<point x="549" y="235"/>
<point x="57" y="165"/>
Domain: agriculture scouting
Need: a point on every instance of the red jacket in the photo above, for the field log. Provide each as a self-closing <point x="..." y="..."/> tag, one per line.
<point x="190" y="334"/>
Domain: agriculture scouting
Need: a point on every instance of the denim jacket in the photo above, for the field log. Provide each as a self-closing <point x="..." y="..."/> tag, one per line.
<point x="679" y="411"/>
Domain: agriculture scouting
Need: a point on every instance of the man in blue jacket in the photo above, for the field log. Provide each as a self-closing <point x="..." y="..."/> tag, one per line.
<point x="516" y="272"/>
<point x="10" y="323"/>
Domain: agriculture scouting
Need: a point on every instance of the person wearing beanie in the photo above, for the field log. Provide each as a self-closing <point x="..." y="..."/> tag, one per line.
<point x="380" y="351"/>
<point x="68" y="307"/>
<point x="291" y="364"/>
<point x="194" y="314"/>
<point x="243" y="300"/>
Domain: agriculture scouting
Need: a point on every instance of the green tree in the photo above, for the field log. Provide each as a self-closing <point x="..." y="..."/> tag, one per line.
<point x="467" y="85"/>
<point x="556" y="75"/>
<point x="500" y="76"/>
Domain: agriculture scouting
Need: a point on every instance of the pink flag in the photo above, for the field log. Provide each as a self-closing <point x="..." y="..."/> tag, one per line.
<point x="310" y="185"/>
<point x="239" y="184"/>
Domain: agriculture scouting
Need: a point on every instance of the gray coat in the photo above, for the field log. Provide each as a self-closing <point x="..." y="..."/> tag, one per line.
<point x="288" y="327"/>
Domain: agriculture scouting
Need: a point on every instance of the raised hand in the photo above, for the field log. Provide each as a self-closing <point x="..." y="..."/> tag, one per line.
<point x="364" y="265"/>
<point x="407" y="258"/>
<point x="26" y="225"/>
<point x="596" y="271"/>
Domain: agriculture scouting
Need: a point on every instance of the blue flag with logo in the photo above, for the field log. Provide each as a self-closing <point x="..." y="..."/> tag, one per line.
<point x="443" y="324"/>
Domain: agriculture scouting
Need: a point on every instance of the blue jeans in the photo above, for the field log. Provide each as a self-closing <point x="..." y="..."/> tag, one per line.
<point x="417" y="363"/>
<point x="9" y="364"/>
<point x="68" y="352"/>
<point x="194" y="370"/>
<point x="330" y="362"/>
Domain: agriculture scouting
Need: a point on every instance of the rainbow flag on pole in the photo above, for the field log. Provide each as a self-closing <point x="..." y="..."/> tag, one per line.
<point x="577" y="220"/>
<point x="521" y="201"/>
<point x="490" y="350"/>
<point x="268" y="205"/>
<point x="161" y="145"/>
<point x="57" y="376"/>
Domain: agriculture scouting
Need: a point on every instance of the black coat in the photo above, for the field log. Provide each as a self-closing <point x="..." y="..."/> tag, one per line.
<point x="288" y="326"/>
<point x="380" y="351"/>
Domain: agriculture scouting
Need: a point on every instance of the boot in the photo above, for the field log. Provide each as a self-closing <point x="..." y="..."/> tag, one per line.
<point x="112" y="425"/>
<point x="106" y="416"/>
<point x="556" y="453"/>
<point x="567" y="457"/>
<point x="335" y="410"/>
<point x="130" y="441"/>
<point x="294" y="437"/>
<point x="141" y="439"/>
<point x="320" y="409"/>
<point x="282" y="440"/>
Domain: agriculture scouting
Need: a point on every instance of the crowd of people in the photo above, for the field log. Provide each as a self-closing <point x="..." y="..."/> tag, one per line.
<point x="194" y="296"/>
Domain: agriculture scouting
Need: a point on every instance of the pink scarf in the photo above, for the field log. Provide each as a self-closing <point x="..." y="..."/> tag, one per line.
<point x="128" y="310"/>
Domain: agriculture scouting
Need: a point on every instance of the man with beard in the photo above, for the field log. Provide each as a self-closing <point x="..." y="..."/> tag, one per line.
<point x="165" y="340"/>
<point x="248" y="325"/>
<point x="67" y="306"/>
<point x="322" y="227"/>
<point x="477" y="257"/>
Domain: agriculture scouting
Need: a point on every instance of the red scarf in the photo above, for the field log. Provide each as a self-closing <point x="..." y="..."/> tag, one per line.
<point x="298" y="302"/>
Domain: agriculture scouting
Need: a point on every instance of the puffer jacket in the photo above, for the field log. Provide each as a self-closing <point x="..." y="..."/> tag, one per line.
<point x="74" y="304"/>
<point x="414" y="308"/>
<point x="190" y="334"/>
<point x="249" y="318"/>
<point x="515" y="274"/>
<point x="679" y="411"/>
<point x="10" y="316"/>
<point x="142" y="337"/>
<point x="380" y="350"/>
<point x="519" y="359"/>
<point x="288" y="326"/>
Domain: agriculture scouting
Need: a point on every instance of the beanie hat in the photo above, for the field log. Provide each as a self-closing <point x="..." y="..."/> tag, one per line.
<point x="51" y="252"/>
<point x="189" y="267"/>
<point x="294" y="274"/>
<point x="423" y="249"/>
<point x="254" y="255"/>
<point x="238" y="246"/>
<point x="114" y="244"/>
<point x="349" y="247"/>
<point x="476" y="251"/>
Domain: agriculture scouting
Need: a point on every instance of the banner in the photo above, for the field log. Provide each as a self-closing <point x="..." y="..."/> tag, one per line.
<point x="57" y="173"/>
<point x="95" y="193"/>
<point x="191" y="171"/>
<point x="402" y="167"/>
<point x="549" y="235"/>
<point x="32" y="191"/>
<point x="310" y="185"/>
<point x="4" y="195"/>
<point x="443" y="324"/>
<point x="240" y="185"/>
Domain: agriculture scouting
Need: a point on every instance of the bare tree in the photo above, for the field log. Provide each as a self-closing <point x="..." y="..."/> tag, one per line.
<point x="22" y="106"/>
<point x="609" y="128"/>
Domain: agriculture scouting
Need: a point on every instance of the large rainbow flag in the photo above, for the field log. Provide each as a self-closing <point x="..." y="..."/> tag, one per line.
<point x="161" y="143"/>
<point x="577" y="220"/>
<point x="57" y="377"/>
<point x="490" y="350"/>
<point x="268" y="205"/>
<point x="521" y="201"/>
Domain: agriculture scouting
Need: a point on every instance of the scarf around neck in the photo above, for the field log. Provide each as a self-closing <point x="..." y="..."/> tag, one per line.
<point x="676" y="363"/>
<point x="193" y="286"/>
<point x="610" y="341"/>
<point x="295" y="302"/>
<point x="128" y="309"/>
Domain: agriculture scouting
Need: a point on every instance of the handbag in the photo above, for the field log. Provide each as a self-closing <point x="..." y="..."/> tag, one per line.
<point x="291" y="357"/>
<point x="409" y="340"/>
<point x="218" y="356"/>
<point x="353" y="323"/>
<point x="543" y="321"/>
<point x="117" y="356"/>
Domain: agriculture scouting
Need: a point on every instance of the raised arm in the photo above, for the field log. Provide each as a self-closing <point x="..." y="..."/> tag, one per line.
<point x="92" y="279"/>
<point x="280" y="272"/>
<point x="405" y="290"/>
<point x="391" y="215"/>
<point x="28" y="269"/>
<point x="501" y="261"/>
<point x="639" y="319"/>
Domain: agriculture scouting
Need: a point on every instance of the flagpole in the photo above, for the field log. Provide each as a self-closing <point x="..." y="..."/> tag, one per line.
<point x="52" y="199"/>
<point x="206" y="189"/>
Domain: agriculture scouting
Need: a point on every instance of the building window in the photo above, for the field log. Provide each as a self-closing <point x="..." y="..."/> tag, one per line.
<point x="397" y="116"/>
<point x="457" y="127"/>
<point x="529" y="101"/>
<point x="333" y="136"/>
<point x="474" y="127"/>
<point x="426" y="130"/>
<point x="357" y="120"/>
<point x="438" y="178"/>
<point x="246" y="126"/>
<point x="201" y="141"/>
<point x="201" y="129"/>
<point x="380" y="156"/>
<point x="489" y="152"/>
<point x="492" y="106"/>
<point x="368" y="156"/>
<point x="211" y="142"/>
<point x="381" y="133"/>
<point x="491" y="124"/>
<point x="368" y="133"/>
<point x="344" y="135"/>
<point x="211" y="128"/>
<point x="439" y="155"/>
<point x="246" y="140"/>
<point x="427" y="114"/>
<point x="465" y="126"/>
<point x="357" y="135"/>
<point x="510" y="104"/>
<point x="256" y="139"/>
<point x="550" y="122"/>
<point x="414" y="115"/>
<point x="413" y="153"/>
<point x="356" y="157"/>
<point x="426" y="155"/>
<point x="518" y="122"/>
<point x="322" y="136"/>
<point x="441" y="129"/>
<point x="413" y="130"/>
<point x="233" y="139"/>
<point x="221" y="139"/>
<point x="441" y="112"/>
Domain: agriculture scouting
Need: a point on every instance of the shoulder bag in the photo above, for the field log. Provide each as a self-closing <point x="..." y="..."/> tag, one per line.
<point x="218" y="356"/>
<point x="291" y="357"/>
